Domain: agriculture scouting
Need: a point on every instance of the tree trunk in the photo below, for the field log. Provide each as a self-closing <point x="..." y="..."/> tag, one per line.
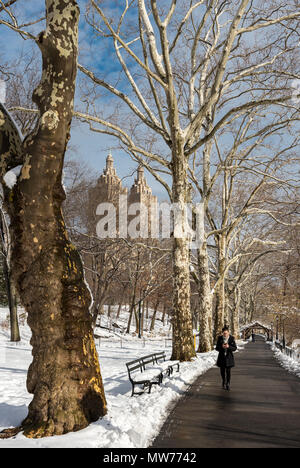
<point x="13" y="312"/>
<point x="183" y="339"/>
<point x="235" y="314"/>
<point x="220" y="289"/>
<point x="64" y="376"/>
<point x="195" y="309"/>
<point x="136" y="316"/>
<point x="154" y="316"/>
<point x="164" y="315"/>
<point x="119" y="310"/>
<point x="252" y="309"/>
<point x="12" y="304"/>
<point x="143" y="318"/>
<point x="227" y="314"/>
<point x="147" y="310"/>
<point x="130" y="313"/>
<point x="10" y="288"/>
<point x="205" y="312"/>
<point x="97" y="312"/>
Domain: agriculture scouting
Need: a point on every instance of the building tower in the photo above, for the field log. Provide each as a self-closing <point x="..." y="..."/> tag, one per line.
<point x="141" y="193"/>
<point x="108" y="190"/>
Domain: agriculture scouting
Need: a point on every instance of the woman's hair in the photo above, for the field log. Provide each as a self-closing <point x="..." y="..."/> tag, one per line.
<point x="225" y="329"/>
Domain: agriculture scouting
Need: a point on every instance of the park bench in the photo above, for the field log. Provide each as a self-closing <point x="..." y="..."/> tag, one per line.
<point x="167" y="365"/>
<point x="149" y="370"/>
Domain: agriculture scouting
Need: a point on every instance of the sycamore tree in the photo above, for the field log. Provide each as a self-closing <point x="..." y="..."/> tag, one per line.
<point x="18" y="91"/>
<point x="179" y="74"/>
<point x="175" y="75"/>
<point x="241" y="171"/>
<point x="10" y="287"/>
<point x="64" y="376"/>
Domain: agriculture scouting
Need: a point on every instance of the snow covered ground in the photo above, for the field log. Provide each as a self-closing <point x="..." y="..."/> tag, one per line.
<point x="131" y="422"/>
<point x="288" y="363"/>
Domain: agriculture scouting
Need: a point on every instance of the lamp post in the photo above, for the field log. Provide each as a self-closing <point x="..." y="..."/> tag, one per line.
<point x="277" y="322"/>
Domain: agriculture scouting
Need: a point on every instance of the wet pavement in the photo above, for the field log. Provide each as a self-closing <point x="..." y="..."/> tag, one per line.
<point x="262" y="409"/>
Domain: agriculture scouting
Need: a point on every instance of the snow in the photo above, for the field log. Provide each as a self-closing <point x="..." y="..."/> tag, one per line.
<point x="130" y="422"/>
<point x="290" y="364"/>
<point x="10" y="177"/>
<point x="296" y="344"/>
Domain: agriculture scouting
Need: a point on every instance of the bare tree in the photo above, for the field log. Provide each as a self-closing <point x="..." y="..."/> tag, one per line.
<point x="6" y="5"/>
<point x="187" y="58"/>
<point x="186" y="74"/>
<point x="64" y="376"/>
<point x="232" y="182"/>
<point x="10" y="287"/>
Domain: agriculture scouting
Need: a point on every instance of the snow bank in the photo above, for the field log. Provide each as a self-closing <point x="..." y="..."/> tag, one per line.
<point x="130" y="422"/>
<point x="285" y="361"/>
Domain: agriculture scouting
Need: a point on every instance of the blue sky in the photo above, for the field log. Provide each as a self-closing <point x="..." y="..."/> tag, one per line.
<point x="96" y="54"/>
<point x="89" y="147"/>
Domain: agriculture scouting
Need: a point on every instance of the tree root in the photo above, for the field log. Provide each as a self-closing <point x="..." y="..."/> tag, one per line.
<point x="11" y="432"/>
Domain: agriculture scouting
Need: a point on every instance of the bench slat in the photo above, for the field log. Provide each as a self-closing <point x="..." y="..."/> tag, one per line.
<point x="153" y="375"/>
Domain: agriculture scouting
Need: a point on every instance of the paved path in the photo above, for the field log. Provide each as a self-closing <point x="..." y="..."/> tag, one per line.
<point x="262" y="410"/>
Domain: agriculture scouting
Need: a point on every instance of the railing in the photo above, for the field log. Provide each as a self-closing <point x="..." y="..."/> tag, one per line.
<point x="123" y="342"/>
<point x="292" y="353"/>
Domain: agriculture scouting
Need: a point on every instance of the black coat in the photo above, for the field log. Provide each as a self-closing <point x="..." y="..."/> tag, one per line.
<point x="228" y="360"/>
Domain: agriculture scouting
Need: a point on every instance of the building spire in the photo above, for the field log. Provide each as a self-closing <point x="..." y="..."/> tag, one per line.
<point x="140" y="173"/>
<point x="109" y="161"/>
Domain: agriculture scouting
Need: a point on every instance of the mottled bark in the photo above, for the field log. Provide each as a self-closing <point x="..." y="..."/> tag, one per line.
<point x="64" y="376"/>
<point x="205" y="299"/>
<point x="183" y="340"/>
<point x="203" y="278"/>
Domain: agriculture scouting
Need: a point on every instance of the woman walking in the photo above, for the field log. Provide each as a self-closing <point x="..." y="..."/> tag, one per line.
<point x="226" y="346"/>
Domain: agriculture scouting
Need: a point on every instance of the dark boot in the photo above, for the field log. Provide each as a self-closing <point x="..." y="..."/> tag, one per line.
<point x="228" y="386"/>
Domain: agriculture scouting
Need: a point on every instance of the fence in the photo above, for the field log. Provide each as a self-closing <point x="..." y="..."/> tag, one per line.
<point x="143" y="342"/>
<point x="292" y="353"/>
<point x="123" y="342"/>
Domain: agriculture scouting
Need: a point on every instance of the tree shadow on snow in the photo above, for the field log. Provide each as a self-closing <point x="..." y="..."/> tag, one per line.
<point x="11" y="415"/>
